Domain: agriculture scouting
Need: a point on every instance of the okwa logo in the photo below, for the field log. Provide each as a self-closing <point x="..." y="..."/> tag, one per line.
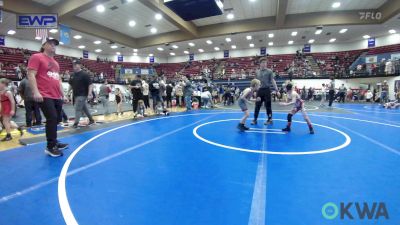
<point x="355" y="211"/>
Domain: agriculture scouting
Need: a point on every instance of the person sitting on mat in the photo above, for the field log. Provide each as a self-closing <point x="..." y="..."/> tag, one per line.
<point x="245" y="98"/>
<point x="392" y="105"/>
<point x="294" y="98"/>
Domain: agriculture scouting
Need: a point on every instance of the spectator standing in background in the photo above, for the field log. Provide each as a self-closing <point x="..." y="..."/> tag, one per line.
<point x="342" y="93"/>
<point x="31" y="107"/>
<point x="179" y="94"/>
<point x="155" y="92"/>
<point x="145" y="87"/>
<point x="323" y="96"/>
<point x="187" y="92"/>
<point x="331" y="88"/>
<point x="44" y="79"/>
<point x="137" y="94"/>
<point x="169" y="90"/>
<point x="81" y="86"/>
<point x="384" y="92"/>
<point x="104" y="95"/>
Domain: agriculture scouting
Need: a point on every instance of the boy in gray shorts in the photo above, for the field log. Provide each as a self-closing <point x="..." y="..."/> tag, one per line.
<point x="244" y="99"/>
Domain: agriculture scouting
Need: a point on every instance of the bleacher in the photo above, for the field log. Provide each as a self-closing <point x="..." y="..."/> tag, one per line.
<point x="12" y="57"/>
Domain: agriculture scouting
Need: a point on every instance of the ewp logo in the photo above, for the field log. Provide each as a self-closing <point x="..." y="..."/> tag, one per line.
<point x="45" y="21"/>
<point x="375" y="211"/>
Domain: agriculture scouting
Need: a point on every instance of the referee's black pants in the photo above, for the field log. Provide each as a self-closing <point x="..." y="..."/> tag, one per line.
<point x="265" y="95"/>
<point x="331" y="97"/>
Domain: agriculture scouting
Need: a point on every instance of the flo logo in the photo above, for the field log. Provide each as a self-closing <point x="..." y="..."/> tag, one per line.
<point x="355" y="210"/>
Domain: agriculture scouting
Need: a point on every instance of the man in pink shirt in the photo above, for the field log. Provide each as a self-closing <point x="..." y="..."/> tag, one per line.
<point x="45" y="81"/>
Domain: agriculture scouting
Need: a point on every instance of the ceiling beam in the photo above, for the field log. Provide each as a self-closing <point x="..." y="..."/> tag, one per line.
<point x="97" y="30"/>
<point x="23" y="6"/>
<point x="389" y="9"/>
<point x="170" y="16"/>
<point x="281" y="12"/>
<point x="74" y="7"/>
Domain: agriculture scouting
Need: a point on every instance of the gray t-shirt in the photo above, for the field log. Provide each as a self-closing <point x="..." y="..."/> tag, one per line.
<point x="332" y="85"/>
<point x="187" y="89"/>
<point x="265" y="76"/>
<point x="25" y="90"/>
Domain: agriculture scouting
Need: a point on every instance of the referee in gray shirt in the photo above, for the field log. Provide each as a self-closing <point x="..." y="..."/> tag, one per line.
<point x="267" y="78"/>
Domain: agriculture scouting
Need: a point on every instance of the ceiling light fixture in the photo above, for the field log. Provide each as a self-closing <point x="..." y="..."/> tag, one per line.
<point x="100" y="8"/>
<point x="98" y="50"/>
<point x="270" y="43"/>
<point x="201" y="50"/>
<point x="160" y="49"/>
<point x="216" y="48"/>
<point x="135" y="50"/>
<point x="186" y="52"/>
<point x="230" y="16"/>
<point x="11" y="32"/>
<point x="366" y="36"/>
<point x="271" y="35"/>
<point x="251" y="45"/>
<point x="332" y="40"/>
<point x="336" y="5"/>
<point x="77" y="37"/>
<point x="114" y="46"/>
<point x="233" y="46"/>
<point x="175" y="46"/>
<point x="172" y="53"/>
<point x="158" y="16"/>
<point x="53" y="31"/>
<point x="191" y="44"/>
<point x="209" y="42"/>
<point x="318" y="31"/>
<point x="81" y="46"/>
<point x="228" y="39"/>
<point x="294" y="33"/>
<point x="132" y="23"/>
<point x="342" y="31"/>
<point x="311" y="41"/>
<point x="290" y="42"/>
<point x="392" y="31"/>
<point x="153" y="30"/>
<point x="97" y="42"/>
<point x="248" y="37"/>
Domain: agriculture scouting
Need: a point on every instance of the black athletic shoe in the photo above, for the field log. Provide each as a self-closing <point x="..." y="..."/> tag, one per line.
<point x="245" y="127"/>
<point x="91" y="123"/>
<point x="53" y="152"/>
<point x="21" y="132"/>
<point x="311" y="131"/>
<point x="254" y="122"/>
<point x="268" y="122"/>
<point x="62" y="146"/>
<point x="7" y="138"/>
<point x="241" y="127"/>
<point x="287" y="129"/>
<point x="75" y="126"/>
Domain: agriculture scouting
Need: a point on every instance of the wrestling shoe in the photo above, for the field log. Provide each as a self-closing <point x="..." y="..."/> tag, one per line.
<point x="312" y="131"/>
<point x="245" y="127"/>
<point x="254" y="122"/>
<point x="7" y="138"/>
<point x="287" y="129"/>
<point x="241" y="127"/>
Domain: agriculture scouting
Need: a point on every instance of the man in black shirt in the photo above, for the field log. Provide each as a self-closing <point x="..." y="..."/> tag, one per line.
<point x="81" y="86"/>
<point x="137" y="94"/>
<point x="155" y="92"/>
<point x="169" y="90"/>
